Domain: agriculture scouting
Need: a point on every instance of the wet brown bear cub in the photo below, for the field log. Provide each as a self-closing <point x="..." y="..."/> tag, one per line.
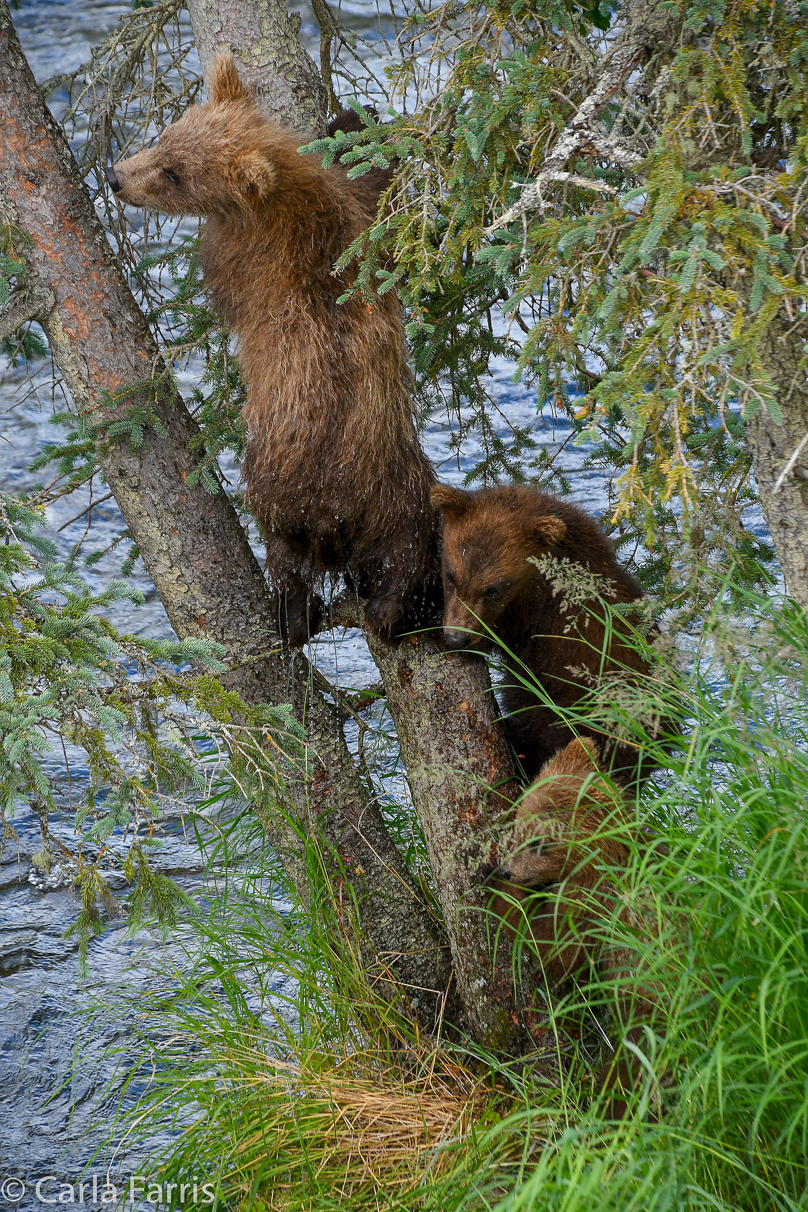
<point x="556" y="891"/>
<point x="334" y="470"/>
<point x="489" y="581"/>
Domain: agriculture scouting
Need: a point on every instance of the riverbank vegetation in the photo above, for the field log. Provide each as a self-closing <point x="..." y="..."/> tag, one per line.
<point x="316" y="1095"/>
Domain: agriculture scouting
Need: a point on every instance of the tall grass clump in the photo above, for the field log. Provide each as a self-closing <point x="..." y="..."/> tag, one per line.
<point x="729" y="902"/>
<point x="283" y="1079"/>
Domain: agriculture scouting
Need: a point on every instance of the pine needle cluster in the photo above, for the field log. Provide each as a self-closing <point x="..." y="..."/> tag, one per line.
<point x="637" y="294"/>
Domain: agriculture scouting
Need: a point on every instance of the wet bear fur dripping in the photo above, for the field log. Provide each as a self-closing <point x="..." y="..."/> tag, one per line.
<point x="490" y="538"/>
<point x="333" y="467"/>
<point x="557" y="891"/>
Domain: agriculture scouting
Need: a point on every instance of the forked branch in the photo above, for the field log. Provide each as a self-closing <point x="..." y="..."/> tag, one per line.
<point x="645" y="32"/>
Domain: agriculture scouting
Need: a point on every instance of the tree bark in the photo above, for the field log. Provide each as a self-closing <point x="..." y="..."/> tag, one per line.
<point x="461" y="776"/>
<point x="773" y="448"/>
<point x="191" y="541"/>
<point x="272" y="60"/>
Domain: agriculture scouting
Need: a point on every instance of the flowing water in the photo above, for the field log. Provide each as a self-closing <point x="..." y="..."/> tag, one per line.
<point x="47" y="1102"/>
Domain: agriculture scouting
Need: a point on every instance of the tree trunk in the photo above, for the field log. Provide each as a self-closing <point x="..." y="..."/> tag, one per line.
<point x="773" y="447"/>
<point x="272" y="60"/>
<point x="191" y="541"/>
<point x="461" y="776"/>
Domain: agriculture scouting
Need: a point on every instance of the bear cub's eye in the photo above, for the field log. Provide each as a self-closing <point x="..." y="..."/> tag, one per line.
<point x="172" y="176"/>
<point x="494" y="591"/>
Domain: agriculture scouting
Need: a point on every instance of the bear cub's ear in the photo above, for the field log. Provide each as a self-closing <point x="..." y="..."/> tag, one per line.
<point x="452" y="502"/>
<point x="547" y="530"/>
<point x="225" y="84"/>
<point x="583" y="754"/>
<point x="254" y="175"/>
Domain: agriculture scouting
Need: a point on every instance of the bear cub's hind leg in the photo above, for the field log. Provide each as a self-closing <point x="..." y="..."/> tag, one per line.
<point x="404" y="593"/>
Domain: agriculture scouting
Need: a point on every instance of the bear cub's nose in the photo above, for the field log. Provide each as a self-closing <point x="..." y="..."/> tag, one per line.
<point x="495" y="871"/>
<point x="455" y="639"/>
<point x="112" y="180"/>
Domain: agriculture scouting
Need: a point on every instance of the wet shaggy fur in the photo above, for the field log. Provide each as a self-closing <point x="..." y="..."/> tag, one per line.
<point x="334" y="470"/>
<point x="489" y="538"/>
<point x="556" y="892"/>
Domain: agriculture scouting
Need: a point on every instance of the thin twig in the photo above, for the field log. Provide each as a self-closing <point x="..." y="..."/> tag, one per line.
<point x="328" y="25"/>
<point x="789" y="467"/>
<point x="86" y="509"/>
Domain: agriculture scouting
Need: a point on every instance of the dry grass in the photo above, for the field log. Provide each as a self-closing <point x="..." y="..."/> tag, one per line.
<point x="365" y="1129"/>
<point x="387" y="1136"/>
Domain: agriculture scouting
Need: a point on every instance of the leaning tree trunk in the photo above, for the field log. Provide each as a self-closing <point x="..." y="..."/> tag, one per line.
<point x="191" y="540"/>
<point x="780" y="452"/>
<point x="461" y="777"/>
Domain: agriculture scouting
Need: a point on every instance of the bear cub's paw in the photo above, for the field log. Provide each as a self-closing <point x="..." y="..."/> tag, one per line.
<point x="383" y="613"/>
<point x="299" y="616"/>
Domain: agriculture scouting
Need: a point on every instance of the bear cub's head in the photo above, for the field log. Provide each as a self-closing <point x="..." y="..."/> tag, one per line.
<point x="569" y="798"/>
<point x="215" y="159"/>
<point x="489" y="538"/>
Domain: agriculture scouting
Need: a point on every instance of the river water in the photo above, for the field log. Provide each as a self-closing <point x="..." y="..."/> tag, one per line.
<point x="47" y="1100"/>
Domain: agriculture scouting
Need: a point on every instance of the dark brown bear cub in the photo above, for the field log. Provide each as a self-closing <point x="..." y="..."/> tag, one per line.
<point x="489" y="581"/>
<point x="557" y="893"/>
<point x="334" y="470"/>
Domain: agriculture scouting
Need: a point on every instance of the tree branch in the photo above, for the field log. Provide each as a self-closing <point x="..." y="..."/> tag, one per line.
<point x="327" y="24"/>
<point x="26" y="304"/>
<point x="646" y="27"/>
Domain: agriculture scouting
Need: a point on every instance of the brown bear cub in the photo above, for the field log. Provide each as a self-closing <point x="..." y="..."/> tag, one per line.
<point x="556" y="893"/>
<point x="490" y="582"/>
<point x="334" y="470"/>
